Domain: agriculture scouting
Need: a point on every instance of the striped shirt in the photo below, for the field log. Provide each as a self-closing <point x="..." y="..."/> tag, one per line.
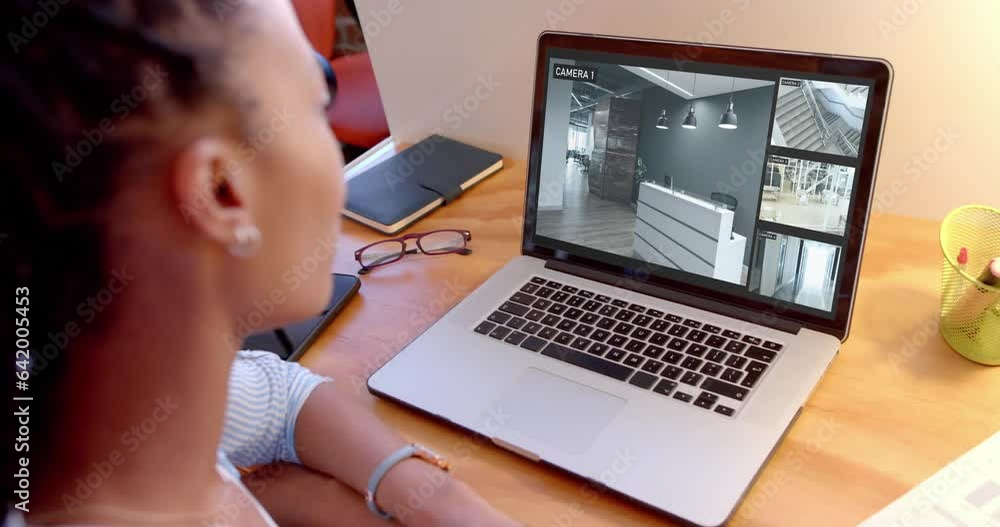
<point x="265" y="397"/>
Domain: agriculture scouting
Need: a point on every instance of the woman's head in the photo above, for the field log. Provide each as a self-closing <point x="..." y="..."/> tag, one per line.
<point x="185" y="128"/>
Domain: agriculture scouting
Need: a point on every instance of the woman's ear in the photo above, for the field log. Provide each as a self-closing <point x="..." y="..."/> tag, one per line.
<point x="214" y="193"/>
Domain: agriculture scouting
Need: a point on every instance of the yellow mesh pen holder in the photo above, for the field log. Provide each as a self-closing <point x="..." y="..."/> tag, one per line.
<point x="970" y="310"/>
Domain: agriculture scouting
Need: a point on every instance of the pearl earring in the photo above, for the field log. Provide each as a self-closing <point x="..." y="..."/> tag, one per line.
<point x="247" y="242"/>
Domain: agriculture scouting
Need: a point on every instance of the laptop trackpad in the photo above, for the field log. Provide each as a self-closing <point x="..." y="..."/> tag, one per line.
<point x="553" y="410"/>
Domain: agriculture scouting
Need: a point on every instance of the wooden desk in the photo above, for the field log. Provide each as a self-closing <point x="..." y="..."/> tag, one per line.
<point x="896" y="405"/>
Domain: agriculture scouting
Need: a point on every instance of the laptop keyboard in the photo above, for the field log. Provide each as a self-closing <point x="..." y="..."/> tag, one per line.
<point x="683" y="359"/>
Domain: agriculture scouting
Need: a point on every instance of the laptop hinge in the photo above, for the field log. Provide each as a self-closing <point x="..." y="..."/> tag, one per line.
<point x="722" y="308"/>
<point x="515" y="449"/>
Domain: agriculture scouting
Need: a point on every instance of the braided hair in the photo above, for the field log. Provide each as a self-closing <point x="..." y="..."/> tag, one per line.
<point x="90" y="92"/>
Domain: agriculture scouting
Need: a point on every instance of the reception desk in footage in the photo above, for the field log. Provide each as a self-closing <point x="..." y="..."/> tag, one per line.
<point x="703" y="242"/>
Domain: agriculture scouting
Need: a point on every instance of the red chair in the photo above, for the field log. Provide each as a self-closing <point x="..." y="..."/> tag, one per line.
<point x="357" y="115"/>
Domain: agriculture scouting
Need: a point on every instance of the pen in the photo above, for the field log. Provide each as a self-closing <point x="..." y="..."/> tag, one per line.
<point x="966" y="302"/>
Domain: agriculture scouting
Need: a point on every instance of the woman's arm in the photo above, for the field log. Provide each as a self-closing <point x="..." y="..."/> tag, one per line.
<point x="265" y="396"/>
<point x="280" y="411"/>
<point x="297" y="496"/>
<point x="337" y="436"/>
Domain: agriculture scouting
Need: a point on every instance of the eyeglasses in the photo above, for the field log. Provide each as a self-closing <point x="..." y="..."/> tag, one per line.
<point x="433" y="243"/>
<point x="328" y="73"/>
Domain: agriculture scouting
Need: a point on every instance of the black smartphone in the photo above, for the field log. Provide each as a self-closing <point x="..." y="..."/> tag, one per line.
<point x="290" y="342"/>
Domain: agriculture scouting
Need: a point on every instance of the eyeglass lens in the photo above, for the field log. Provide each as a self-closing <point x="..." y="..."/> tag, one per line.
<point x="441" y="242"/>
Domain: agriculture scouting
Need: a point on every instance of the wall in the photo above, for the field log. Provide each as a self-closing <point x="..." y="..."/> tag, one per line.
<point x="555" y="140"/>
<point x="611" y="175"/>
<point x="466" y="68"/>
<point x="769" y="271"/>
<point x="770" y="282"/>
<point x="699" y="159"/>
<point x="791" y="268"/>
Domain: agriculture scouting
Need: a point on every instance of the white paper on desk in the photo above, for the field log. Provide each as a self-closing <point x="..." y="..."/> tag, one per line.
<point x="966" y="493"/>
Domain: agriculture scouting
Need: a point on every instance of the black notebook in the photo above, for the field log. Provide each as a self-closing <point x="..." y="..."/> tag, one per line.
<point x="403" y="188"/>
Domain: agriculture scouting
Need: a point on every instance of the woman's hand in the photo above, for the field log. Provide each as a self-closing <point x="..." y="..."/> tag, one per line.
<point x="297" y="496"/>
<point x="339" y="437"/>
<point x="454" y="504"/>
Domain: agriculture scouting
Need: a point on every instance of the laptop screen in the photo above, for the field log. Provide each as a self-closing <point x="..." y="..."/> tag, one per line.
<point x="740" y="179"/>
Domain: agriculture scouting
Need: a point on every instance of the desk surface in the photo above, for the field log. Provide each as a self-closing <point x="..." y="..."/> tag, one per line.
<point x="896" y="405"/>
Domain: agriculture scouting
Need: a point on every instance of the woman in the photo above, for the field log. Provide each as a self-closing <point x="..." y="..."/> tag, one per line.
<point x="168" y="163"/>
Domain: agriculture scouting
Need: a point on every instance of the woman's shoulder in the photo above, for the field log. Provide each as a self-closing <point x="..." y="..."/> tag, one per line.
<point x="258" y="355"/>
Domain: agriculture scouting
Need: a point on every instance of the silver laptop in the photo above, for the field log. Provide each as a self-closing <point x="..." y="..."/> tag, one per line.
<point x="695" y="218"/>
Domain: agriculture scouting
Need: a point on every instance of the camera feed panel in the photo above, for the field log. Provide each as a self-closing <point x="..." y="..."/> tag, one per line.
<point x="659" y="165"/>
<point x="818" y="116"/>
<point x="807" y="194"/>
<point x="795" y="270"/>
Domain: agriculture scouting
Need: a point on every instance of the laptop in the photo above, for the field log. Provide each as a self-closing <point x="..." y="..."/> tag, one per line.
<point x="694" y="223"/>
